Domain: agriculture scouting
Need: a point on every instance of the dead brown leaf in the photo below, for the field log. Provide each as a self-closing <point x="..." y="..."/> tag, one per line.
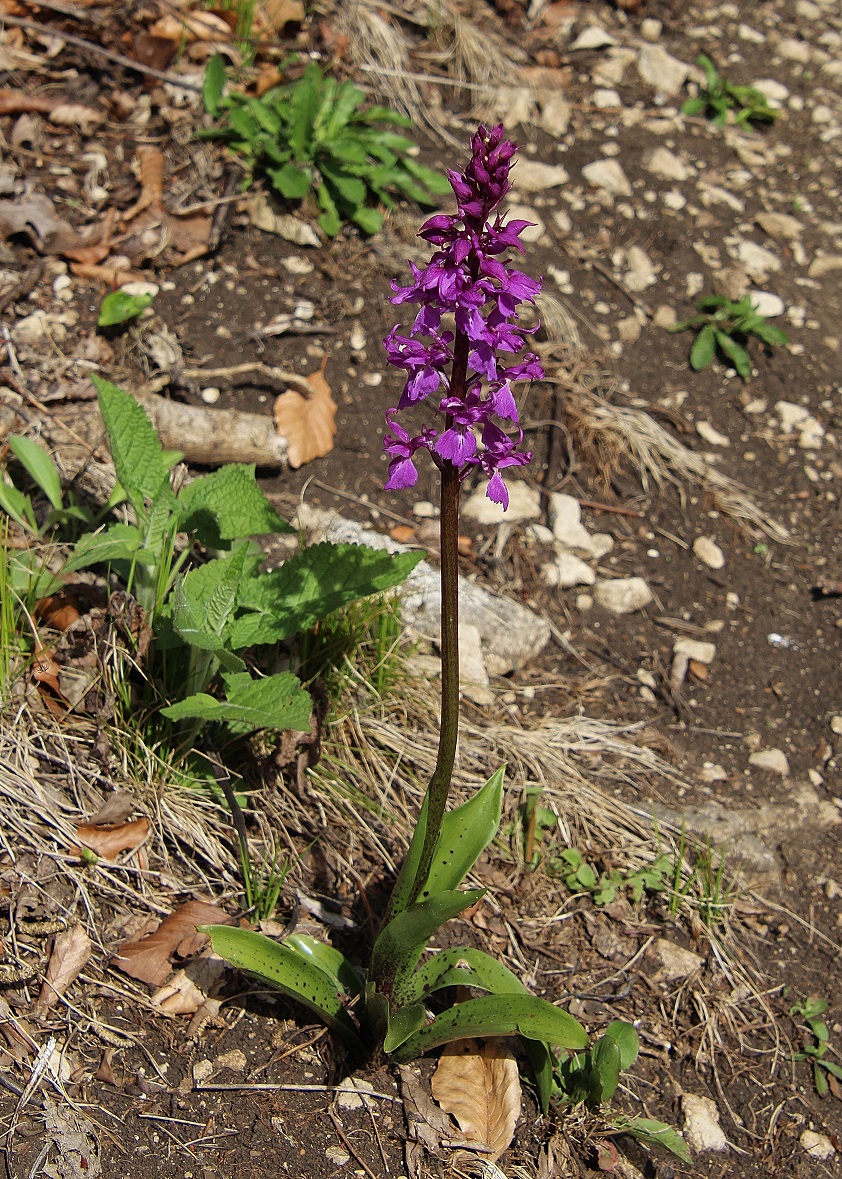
<point x="153" y="51"/>
<point x="307" y="423"/>
<point x="197" y="26"/>
<point x="154" y="230"/>
<point x="188" y="989"/>
<point x="478" y="1083"/>
<point x="45" y="669"/>
<point x="58" y="110"/>
<point x="109" y="841"/>
<point x="274" y="15"/>
<point x="149" y="958"/>
<point x="71" y="954"/>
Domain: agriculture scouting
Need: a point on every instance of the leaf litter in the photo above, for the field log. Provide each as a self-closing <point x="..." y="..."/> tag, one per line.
<point x="477" y="1081"/>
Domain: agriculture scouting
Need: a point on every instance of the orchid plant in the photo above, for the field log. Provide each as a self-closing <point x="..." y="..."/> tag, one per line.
<point x="465" y="351"/>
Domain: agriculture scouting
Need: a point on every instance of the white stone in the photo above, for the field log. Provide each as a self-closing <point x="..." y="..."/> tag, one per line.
<point x="747" y="33"/>
<point x="138" y="289"/>
<point x="794" y="50"/>
<point x="824" y="264"/>
<point x="702" y="1130"/>
<point x="664" y="316"/>
<point x="767" y="304"/>
<point x="696" y="649"/>
<point x="661" y="71"/>
<point x="623" y="595"/>
<point x="295" y="264"/>
<point x="555" y="116"/>
<point x="357" y="338"/>
<point x="640" y="273"/>
<point x="674" y="200"/>
<point x="772" y="89"/>
<point x="210" y="396"/>
<point x="629" y="329"/>
<point x="757" y="261"/>
<point x="524" y="504"/>
<point x="533" y="176"/>
<point x="572" y="570"/>
<point x="713" y="772"/>
<point x="39" y="326"/>
<point x="711" y="435"/>
<point x="605" y="99"/>
<point x="593" y="37"/>
<point x="536" y="228"/>
<point x="425" y="510"/>
<point x="662" y="162"/>
<point x="812" y="434"/>
<point x="541" y="533"/>
<point x="791" y="415"/>
<point x="609" y="70"/>
<point x="584" y="602"/>
<point x="651" y="29"/>
<point x="607" y="175"/>
<point x="473" y="674"/>
<point x="780" y="225"/>
<point x="774" y="761"/>
<point x="708" y="552"/>
<point x="822" y="114"/>
<point x="836" y="725"/>
<point x="565" y="518"/>
<point x="817" y="1146"/>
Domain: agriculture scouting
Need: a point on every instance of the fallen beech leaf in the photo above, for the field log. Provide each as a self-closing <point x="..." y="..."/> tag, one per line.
<point x="71" y="953"/>
<point x="198" y="26"/>
<point x="15" y="102"/>
<point x="307" y="423"/>
<point x="108" y="842"/>
<point x="57" y="611"/>
<point x="477" y="1082"/>
<point x="403" y="533"/>
<point x="113" y="275"/>
<point x="182" y="237"/>
<point x="268" y="77"/>
<point x="148" y="958"/>
<point x="188" y="989"/>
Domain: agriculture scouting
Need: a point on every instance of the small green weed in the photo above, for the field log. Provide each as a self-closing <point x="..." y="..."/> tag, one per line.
<point x="579" y="876"/>
<point x="360" y="640"/>
<point x="314" y="136"/>
<point x="724" y="325"/>
<point x="811" y="1011"/>
<point x="120" y="307"/>
<point x="722" y="102"/>
<point x="707" y="890"/>
<point x="591" y="1078"/>
<point x="41" y="470"/>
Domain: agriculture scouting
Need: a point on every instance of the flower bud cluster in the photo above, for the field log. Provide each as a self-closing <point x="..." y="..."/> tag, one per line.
<point x="470" y="360"/>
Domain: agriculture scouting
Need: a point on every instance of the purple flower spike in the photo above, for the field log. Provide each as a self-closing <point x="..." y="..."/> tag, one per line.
<point x="466" y="278"/>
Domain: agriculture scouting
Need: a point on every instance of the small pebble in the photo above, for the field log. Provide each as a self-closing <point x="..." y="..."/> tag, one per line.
<point x="425" y="510"/>
<point x="210" y="396"/>
<point x="774" y="761"/>
<point x="708" y="552"/>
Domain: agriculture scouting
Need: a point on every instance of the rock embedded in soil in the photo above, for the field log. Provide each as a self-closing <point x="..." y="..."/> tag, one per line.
<point x="567" y="571"/>
<point x="780" y="226"/>
<point x="696" y="649"/>
<point x="473" y="674"/>
<point x="702" y="1130"/>
<point x="622" y="595"/>
<point x="593" y="37"/>
<point x="609" y="176"/>
<point x="817" y="1146"/>
<point x="773" y="761"/>
<point x="524" y="504"/>
<point x="660" y="70"/>
<point x="564" y="514"/>
<point x="672" y="962"/>
<point x="533" y="176"/>
<point x="768" y="305"/>
<point x="708" y="552"/>
<point x="664" y="163"/>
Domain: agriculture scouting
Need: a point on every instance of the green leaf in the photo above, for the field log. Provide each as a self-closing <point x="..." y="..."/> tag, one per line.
<point x="383" y="114"/>
<point x="820" y="1080"/>
<point x="329" y="960"/>
<point x="465" y="833"/>
<point x="276" y="702"/>
<point x="292" y="181"/>
<point x="605" y="1071"/>
<point x="694" y="106"/>
<point x="401" y="942"/>
<point x="625" y="1037"/>
<point x="17" y="505"/>
<point x="434" y="181"/>
<point x="834" y="1069"/>
<point x="653" y="1133"/>
<point x="347" y="101"/>
<point x="735" y="353"/>
<point x="138" y="455"/>
<point x="463" y="965"/>
<point x="226" y="505"/>
<point x="329" y="221"/>
<point x="403" y="1023"/>
<point x="711" y="76"/>
<point x="118" y="542"/>
<point x="119" y="307"/>
<point x="40" y="467"/>
<point x="28" y="578"/>
<point x="285" y="969"/>
<point x="369" y="220"/>
<point x="349" y="188"/>
<point x="498" y="1015"/>
<point x="304" y="101"/>
<point x="213" y="84"/>
<point x="312" y="584"/>
<point x="704" y="347"/>
<point x="769" y="334"/>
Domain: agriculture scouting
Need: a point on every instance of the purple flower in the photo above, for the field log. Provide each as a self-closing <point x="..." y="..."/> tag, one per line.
<point x="468" y="279"/>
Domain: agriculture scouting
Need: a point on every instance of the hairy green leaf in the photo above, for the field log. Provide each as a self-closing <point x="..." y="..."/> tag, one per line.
<point x="497" y="1015"/>
<point x="369" y="220"/>
<point x="138" y="455"/>
<point x="329" y="220"/>
<point x="293" y="181"/>
<point x="312" y="584"/>
<point x="120" y="307"/>
<point x="226" y="505"/>
<point x="285" y="969"/>
<point x="213" y="84"/>
<point x="40" y="467"/>
<point x="118" y="542"/>
<point x="276" y="702"/>
<point x="704" y="347"/>
<point x="653" y="1133"/>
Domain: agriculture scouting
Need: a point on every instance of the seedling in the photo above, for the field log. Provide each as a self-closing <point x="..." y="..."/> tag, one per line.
<point x="811" y="1011"/>
<point x="314" y="136"/>
<point x="721" y="101"/>
<point x="725" y="325"/>
<point x="591" y="1078"/>
<point x="120" y="307"/>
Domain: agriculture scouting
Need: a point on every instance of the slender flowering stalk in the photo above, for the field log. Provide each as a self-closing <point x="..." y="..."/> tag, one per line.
<point x="464" y="352"/>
